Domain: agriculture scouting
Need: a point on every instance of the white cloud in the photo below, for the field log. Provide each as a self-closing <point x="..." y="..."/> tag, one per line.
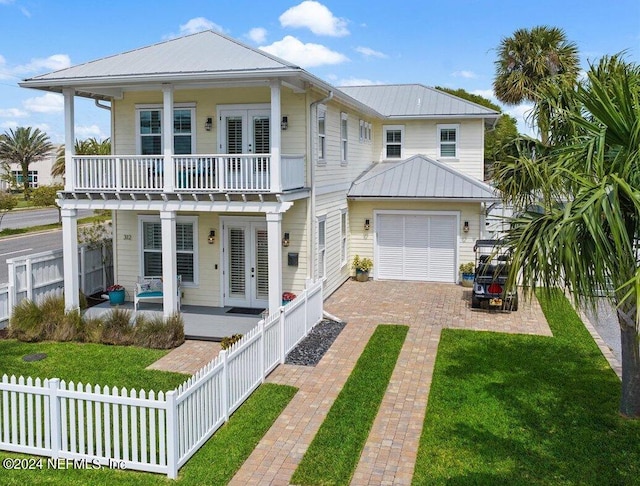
<point x="316" y="17"/>
<point x="198" y="24"/>
<point x="11" y="124"/>
<point x="522" y="114"/>
<point x="6" y="2"/>
<point x="304" y="55"/>
<point x="47" y="103"/>
<point x="357" y="82"/>
<point x="486" y="93"/>
<point x="13" y="113"/>
<point x="464" y="74"/>
<point x="368" y="52"/>
<point x="257" y="35"/>
<point x="83" y="131"/>
<point x="51" y="63"/>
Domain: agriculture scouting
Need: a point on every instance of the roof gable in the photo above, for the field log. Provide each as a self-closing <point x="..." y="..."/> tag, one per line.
<point x="421" y="178"/>
<point x="201" y="53"/>
<point x="415" y="100"/>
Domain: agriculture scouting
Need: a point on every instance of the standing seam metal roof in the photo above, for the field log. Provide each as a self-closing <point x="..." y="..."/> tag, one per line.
<point x="422" y="178"/>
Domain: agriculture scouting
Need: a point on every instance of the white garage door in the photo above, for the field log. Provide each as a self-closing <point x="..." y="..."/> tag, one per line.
<point x="416" y="247"/>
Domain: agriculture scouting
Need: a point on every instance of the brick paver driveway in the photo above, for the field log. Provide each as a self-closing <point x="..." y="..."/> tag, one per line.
<point x="390" y="452"/>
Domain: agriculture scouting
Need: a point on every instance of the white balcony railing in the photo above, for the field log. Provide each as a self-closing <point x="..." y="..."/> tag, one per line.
<point x="191" y="173"/>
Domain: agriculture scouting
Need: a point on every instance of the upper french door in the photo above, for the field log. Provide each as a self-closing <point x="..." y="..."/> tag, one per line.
<point x="245" y="131"/>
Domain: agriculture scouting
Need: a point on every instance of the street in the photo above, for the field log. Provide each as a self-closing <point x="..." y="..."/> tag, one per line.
<point x="26" y="245"/>
<point x="25" y="218"/>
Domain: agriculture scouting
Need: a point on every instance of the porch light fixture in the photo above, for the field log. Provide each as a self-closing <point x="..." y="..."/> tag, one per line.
<point x="285" y="122"/>
<point x="212" y="237"/>
<point x="465" y="227"/>
<point x="208" y="125"/>
<point x="367" y="225"/>
<point x="285" y="240"/>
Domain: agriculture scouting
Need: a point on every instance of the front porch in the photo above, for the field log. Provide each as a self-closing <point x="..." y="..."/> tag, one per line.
<point x="200" y="322"/>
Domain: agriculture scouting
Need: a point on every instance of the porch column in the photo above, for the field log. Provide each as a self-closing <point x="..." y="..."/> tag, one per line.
<point x="70" y="259"/>
<point x="274" y="235"/>
<point x="169" y="265"/>
<point x="69" y="138"/>
<point x="275" y="132"/>
<point x="167" y="132"/>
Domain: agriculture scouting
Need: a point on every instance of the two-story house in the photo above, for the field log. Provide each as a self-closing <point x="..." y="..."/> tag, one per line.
<point x="247" y="175"/>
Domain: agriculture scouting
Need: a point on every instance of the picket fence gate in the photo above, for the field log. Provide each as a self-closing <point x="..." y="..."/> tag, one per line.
<point x="148" y="431"/>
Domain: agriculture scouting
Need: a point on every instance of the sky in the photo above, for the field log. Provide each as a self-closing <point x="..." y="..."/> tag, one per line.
<point x="435" y="43"/>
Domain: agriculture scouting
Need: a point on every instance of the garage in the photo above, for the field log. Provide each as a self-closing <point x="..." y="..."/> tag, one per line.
<point x="416" y="246"/>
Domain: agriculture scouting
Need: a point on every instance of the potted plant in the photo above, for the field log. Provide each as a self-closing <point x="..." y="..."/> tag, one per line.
<point x="362" y="267"/>
<point x="116" y="294"/>
<point x="467" y="269"/>
<point x="288" y="297"/>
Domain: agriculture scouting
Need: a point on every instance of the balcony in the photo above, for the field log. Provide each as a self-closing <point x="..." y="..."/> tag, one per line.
<point x="240" y="173"/>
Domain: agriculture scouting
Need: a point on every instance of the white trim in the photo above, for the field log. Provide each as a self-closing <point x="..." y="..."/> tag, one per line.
<point x="377" y="212"/>
<point x="362" y="132"/>
<point x="344" y="139"/>
<point x="321" y="110"/>
<point x="344" y="237"/>
<point x="321" y="218"/>
<point x="385" y="129"/>
<point x="159" y="107"/>
<point x="149" y="218"/>
<point x="448" y="126"/>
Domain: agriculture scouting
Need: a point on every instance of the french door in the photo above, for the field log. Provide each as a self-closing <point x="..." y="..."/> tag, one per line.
<point x="245" y="131"/>
<point x="246" y="264"/>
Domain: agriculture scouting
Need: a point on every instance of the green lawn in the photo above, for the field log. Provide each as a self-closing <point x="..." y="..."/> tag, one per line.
<point x="335" y="450"/>
<point x="214" y="464"/>
<point x="515" y="409"/>
<point x="121" y="366"/>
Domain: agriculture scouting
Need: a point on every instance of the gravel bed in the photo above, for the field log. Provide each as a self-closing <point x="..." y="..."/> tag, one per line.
<point x="311" y="349"/>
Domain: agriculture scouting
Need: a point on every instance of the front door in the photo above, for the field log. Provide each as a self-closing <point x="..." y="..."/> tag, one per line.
<point x="246" y="264"/>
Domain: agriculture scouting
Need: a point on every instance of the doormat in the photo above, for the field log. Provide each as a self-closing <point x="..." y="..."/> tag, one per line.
<point x="245" y="310"/>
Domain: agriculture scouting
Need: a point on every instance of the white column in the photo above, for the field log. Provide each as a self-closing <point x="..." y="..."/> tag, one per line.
<point x="69" y="138"/>
<point x="276" y="115"/>
<point x="167" y="136"/>
<point x="169" y="265"/>
<point x="70" y="258"/>
<point x="274" y="236"/>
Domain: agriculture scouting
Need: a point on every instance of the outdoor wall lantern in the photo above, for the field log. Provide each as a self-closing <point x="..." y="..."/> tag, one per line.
<point x="285" y="122"/>
<point x="212" y="237"/>
<point x="367" y="225"/>
<point x="465" y="227"/>
<point x="285" y="240"/>
<point x="208" y="125"/>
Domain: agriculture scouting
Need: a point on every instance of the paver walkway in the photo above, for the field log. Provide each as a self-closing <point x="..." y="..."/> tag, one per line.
<point x="187" y="358"/>
<point x="390" y="452"/>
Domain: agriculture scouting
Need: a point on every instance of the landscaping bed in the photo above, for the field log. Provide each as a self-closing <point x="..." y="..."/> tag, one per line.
<point x="312" y="348"/>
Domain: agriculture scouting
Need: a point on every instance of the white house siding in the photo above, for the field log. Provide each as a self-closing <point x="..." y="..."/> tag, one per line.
<point x="207" y="101"/>
<point x="330" y="207"/>
<point x="421" y="137"/>
<point x="362" y="241"/>
<point x="294" y="222"/>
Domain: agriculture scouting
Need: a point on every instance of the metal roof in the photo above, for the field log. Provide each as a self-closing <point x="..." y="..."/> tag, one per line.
<point x="420" y="177"/>
<point x="415" y="100"/>
<point x="203" y="52"/>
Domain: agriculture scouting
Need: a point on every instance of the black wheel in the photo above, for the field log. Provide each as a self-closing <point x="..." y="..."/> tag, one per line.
<point x="475" y="302"/>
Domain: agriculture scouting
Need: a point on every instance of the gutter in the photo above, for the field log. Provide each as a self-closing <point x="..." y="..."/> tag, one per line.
<point x="312" y="199"/>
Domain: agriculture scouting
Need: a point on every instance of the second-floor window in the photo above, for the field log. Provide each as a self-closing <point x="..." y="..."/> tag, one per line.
<point x="150" y="130"/>
<point x="322" y="133"/>
<point x="448" y="141"/>
<point x="393" y="140"/>
<point x="344" y="137"/>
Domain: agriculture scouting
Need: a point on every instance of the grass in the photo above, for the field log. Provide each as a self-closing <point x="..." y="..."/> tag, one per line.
<point x="334" y="452"/>
<point x="214" y="464"/>
<point x="514" y="409"/>
<point x="121" y="366"/>
<point x="52" y="226"/>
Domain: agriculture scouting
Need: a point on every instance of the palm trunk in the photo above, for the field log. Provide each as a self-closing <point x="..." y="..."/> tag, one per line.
<point x="630" y="400"/>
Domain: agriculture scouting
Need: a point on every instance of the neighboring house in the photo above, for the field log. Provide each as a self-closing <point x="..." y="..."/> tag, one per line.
<point x="39" y="173"/>
<point x="269" y="176"/>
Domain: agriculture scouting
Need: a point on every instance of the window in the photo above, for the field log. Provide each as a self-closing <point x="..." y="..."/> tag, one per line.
<point x="322" y="116"/>
<point x="186" y="248"/>
<point x="448" y="140"/>
<point x="368" y="132"/>
<point x="322" y="260"/>
<point x="150" y="129"/>
<point x="393" y="139"/>
<point x="343" y="237"/>
<point x="344" y="137"/>
<point x="363" y="131"/>
<point x="33" y="178"/>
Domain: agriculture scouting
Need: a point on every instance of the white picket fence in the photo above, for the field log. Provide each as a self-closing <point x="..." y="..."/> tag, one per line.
<point x="40" y="275"/>
<point x="146" y="431"/>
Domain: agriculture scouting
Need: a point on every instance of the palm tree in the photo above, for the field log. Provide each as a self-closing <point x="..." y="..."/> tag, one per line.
<point x="531" y="59"/>
<point x="24" y="146"/>
<point x="585" y="232"/>
<point x="90" y="146"/>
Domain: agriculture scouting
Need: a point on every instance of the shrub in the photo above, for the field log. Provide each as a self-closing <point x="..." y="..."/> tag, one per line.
<point x="158" y="333"/>
<point x="72" y="328"/>
<point x="467" y="267"/>
<point x="26" y="323"/>
<point x="53" y="315"/>
<point x="229" y="341"/>
<point x="362" y="264"/>
<point x="116" y="328"/>
<point x="93" y="329"/>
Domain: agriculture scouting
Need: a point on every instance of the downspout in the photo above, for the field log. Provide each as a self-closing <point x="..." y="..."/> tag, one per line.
<point x="312" y="199"/>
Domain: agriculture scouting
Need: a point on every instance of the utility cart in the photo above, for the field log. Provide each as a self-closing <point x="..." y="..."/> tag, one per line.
<point x="490" y="281"/>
